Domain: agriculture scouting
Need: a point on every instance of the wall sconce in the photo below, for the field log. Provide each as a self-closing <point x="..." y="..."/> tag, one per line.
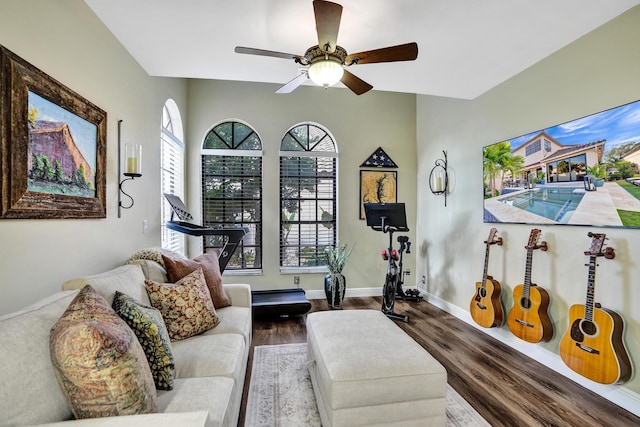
<point x="439" y="178"/>
<point x="132" y="163"/>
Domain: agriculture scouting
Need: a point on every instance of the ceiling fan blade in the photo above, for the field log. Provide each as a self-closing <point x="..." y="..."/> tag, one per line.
<point x="328" y="16"/>
<point x="402" y="52"/>
<point x="293" y="84"/>
<point x="262" y="52"/>
<point x="356" y="84"/>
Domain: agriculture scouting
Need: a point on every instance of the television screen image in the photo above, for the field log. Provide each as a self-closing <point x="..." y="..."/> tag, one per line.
<point x="582" y="172"/>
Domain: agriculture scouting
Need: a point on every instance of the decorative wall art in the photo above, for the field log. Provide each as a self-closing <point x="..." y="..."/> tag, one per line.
<point x="580" y="172"/>
<point x="377" y="187"/>
<point x="52" y="146"/>
<point x="379" y="159"/>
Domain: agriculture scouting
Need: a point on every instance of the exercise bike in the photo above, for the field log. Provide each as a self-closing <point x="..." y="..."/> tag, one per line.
<point x="390" y="218"/>
<point x="397" y="271"/>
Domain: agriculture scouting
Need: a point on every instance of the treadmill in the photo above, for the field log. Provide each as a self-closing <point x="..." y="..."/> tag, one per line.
<point x="233" y="236"/>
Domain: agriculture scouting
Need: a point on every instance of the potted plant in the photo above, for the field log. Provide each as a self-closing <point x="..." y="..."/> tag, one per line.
<point x="541" y="176"/>
<point x="599" y="172"/>
<point x="335" y="284"/>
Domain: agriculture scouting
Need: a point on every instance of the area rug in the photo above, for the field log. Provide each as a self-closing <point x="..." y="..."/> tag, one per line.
<point x="281" y="394"/>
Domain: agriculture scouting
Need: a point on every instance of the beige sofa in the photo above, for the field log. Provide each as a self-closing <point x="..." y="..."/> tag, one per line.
<point x="209" y="368"/>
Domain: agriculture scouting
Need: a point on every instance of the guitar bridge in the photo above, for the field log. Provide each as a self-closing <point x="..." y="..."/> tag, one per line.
<point x="481" y="306"/>
<point x="587" y="348"/>
<point x="523" y="323"/>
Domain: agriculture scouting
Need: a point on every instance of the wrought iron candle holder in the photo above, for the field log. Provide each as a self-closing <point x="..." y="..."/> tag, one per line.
<point x="439" y="178"/>
<point x="132" y="167"/>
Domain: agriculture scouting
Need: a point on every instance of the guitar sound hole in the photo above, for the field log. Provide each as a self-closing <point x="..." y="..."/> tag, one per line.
<point x="525" y="303"/>
<point x="482" y="292"/>
<point x="589" y="328"/>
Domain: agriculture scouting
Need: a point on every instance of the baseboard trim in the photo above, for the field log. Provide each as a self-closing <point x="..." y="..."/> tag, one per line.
<point x="618" y="394"/>
<point x="351" y="292"/>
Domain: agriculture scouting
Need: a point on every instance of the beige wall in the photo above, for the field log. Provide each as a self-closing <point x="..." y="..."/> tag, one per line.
<point x="359" y="124"/>
<point x="598" y="72"/>
<point x="66" y="40"/>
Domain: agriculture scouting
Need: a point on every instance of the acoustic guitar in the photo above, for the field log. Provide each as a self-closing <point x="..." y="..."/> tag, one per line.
<point x="528" y="318"/>
<point x="486" y="308"/>
<point x="593" y="345"/>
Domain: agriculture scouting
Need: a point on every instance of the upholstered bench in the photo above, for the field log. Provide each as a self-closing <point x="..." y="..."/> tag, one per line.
<point x="365" y="370"/>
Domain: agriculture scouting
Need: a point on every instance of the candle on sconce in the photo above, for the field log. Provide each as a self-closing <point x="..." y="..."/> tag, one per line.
<point x="438" y="183"/>
<point x="133" y="159"/>
<point x="132" y="165"/>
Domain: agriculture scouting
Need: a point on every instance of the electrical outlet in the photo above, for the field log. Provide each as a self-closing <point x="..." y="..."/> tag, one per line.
<point x="296" y="280"/>
<point x="407" y="272"/>
<point x="424" y="280"/>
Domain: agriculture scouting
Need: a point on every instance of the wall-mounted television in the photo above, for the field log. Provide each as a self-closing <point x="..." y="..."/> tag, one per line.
<point x="582" y="172"/>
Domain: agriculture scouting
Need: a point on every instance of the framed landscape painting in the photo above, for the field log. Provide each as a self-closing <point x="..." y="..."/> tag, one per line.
<point x="582" y="172"/>
<point x="52" y="146"/>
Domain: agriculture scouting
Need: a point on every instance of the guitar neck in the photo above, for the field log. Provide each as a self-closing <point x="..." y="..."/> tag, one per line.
<point x="527" y="273"/>
<point x="591" y="285"/>
<point x="486" y="266"/>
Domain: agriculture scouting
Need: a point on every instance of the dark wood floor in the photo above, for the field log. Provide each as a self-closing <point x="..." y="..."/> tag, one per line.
<point x="506" y="387"/>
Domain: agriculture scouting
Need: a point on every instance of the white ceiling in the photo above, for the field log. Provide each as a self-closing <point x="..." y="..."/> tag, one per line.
<point x="466" y="47"/>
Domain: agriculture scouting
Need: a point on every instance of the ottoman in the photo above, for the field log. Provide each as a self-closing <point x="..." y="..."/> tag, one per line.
<point x="365" y="370"/>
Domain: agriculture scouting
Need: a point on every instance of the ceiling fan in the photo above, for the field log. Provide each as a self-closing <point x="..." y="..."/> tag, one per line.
<point x="326" y="60"/>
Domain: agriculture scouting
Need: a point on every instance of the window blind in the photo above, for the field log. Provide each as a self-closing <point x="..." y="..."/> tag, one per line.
<point x="308" y="209"/>
<point x="232" y="197"/>
<point x="172" y="182"/>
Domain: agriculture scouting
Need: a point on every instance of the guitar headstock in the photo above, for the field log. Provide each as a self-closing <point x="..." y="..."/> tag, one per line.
<point x="491" y="240"/>
<point x="533" y="240"/>
<point x="597" y="243"/>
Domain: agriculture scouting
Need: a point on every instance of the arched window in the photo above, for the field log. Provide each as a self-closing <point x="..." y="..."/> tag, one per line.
<point x="308" y="195"/>
<point x="172" y="170"/>
<point x="232" y="190"/>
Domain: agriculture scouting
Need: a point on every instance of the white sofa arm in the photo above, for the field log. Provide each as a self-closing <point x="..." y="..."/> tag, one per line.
<point x="173" y="419"/>
<point x="239" y="293"/>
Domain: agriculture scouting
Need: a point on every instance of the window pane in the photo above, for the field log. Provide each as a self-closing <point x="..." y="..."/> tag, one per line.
<point x="171" y="177"/>
<point x="307" y="197"/>
<point x="232" y="192"/>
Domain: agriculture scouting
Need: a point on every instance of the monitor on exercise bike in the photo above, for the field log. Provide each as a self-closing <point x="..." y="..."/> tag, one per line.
<point x="393" y="213"/>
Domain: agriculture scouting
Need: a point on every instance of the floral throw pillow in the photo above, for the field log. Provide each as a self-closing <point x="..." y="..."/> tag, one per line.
<point x="177" y="268"/>
<point x="186" y="305"/>
<point x="146" y="322"/>
<point x="99" y="362"/>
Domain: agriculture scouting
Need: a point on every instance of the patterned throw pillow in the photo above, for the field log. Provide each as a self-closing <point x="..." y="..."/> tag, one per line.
<point x="178" y="268"/>
<point x="99" y="362"/>
<point x="185" y="306"/>
<point x="146" y="322"/>
<point x="154" y="254"/>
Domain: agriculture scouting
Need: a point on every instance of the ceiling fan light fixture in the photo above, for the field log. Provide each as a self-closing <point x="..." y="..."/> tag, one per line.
<point x="325" y="72"/>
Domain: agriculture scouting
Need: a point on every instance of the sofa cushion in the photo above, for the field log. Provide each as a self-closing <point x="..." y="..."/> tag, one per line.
<point x="99" y="362"/>
<point x="178" y="268"/>
<point x="233" y="320"/>
<point x="186" y="305"/>
<point x="224" y="356"/>
<point x="151" y="270"/>
<point x="30" y="393"/>
<point x="146" y="322"/>
<point x="127" y="278"/>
